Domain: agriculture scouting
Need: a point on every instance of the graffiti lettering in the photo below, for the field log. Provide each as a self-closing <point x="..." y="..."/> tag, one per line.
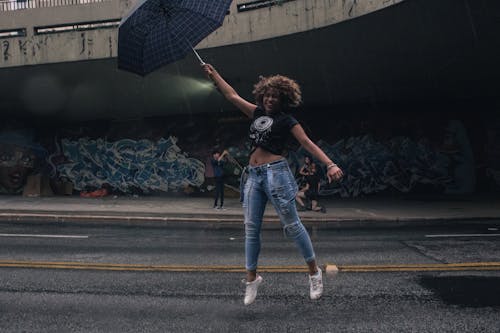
<point x="110" y="41"/>
<point x="22" y="47"/>
<point x="129" y="164"/>
<point x="6" y="46"/>
<point x="90" y="43"/>
<point x="83" y="43"/>
<point x="37" y="45"/>
<point x="372" y="166"/>
<point x="87" y="44"/>
<point x="351" y="10"/>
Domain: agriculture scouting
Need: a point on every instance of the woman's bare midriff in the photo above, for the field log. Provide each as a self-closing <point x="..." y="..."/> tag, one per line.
<point x="261" y="156"/>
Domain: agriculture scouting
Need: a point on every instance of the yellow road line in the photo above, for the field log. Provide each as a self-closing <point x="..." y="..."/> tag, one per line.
<point x="140" y="267"/>
<point x="478" y="266"/>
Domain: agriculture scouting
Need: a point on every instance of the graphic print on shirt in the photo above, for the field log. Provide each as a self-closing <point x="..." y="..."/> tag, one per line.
<point x="260" y="130"/>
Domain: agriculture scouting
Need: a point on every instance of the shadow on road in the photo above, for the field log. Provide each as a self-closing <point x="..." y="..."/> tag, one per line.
<point x="467" y="291"/>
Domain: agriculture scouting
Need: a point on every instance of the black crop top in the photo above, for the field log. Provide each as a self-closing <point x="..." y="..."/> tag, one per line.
<point x="270" y="131"/>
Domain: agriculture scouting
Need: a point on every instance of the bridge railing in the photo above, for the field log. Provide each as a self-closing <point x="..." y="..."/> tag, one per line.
<point x="10" y="5"/>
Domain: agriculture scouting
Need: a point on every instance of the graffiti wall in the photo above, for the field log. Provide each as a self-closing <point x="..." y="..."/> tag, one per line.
<point x="172" y="155"/>
<point x="20" y="156"/>
<point x="129" y="165"/>
<point x="372" y="166"/>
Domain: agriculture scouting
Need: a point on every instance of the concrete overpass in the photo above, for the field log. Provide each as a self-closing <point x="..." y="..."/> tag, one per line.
<point x="58" y="59"/>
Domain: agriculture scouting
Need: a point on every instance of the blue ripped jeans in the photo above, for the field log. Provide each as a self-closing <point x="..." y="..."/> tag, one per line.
<point x="274" y="182"/>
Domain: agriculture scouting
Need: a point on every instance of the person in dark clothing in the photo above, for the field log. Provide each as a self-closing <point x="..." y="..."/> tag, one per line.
<point x="304" y="170"/>
<point x="269" y="175"/>
<point x="310" y="190"/>
<point x="217" y="162"/>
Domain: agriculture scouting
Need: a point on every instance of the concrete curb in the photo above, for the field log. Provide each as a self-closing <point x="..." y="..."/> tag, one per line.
<point x="212" y="221"/>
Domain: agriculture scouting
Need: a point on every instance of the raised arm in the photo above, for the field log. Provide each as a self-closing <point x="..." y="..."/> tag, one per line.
<point x="333" y="172"/>
<point x="224" y="153"/>
<point x="229" y="93"/>
<point x="302" y="171"/>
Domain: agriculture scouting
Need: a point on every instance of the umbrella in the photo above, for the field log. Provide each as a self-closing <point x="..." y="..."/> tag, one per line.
<point x="159" y="32"/>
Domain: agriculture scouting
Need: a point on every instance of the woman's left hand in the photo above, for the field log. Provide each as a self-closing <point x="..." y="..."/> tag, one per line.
<point x="334" y="173"/>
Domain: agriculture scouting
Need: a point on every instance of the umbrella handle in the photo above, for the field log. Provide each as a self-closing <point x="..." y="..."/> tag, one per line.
<point x="198" y="56"/>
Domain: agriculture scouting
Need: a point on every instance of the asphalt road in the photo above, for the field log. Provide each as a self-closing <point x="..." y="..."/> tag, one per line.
<point x="115" y="279"/>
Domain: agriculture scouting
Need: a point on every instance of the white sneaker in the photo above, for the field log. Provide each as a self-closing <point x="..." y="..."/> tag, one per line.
<point x="316" y="285"/>
<point x="251" y="290"/>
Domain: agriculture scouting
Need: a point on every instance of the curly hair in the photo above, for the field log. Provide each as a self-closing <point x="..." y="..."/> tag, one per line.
<point x="290" y="93"/>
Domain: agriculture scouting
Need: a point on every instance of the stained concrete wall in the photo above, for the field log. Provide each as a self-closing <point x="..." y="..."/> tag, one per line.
<point x="239" y="27"/>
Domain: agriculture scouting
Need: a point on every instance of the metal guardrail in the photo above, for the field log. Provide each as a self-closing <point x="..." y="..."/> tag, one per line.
<point x="21" y="32"/>
<point x="113" y="23"/>
<point x="11" y="5"/>
<point x="82" y="26"/>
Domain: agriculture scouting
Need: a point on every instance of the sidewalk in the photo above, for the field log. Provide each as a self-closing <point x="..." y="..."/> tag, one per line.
<point x="198" y="211"/>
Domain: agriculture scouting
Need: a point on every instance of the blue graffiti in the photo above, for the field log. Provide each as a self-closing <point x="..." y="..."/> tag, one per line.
<point x="371" y="166"/>
<point x="129" y="164"/>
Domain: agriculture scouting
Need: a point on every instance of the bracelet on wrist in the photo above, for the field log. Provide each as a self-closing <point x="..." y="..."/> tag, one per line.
<point x="331" y="165"/>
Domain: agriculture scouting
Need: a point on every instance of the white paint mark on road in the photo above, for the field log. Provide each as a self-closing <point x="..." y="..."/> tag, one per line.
<point x="43" y="236"/>
<point x="462" y="235"/>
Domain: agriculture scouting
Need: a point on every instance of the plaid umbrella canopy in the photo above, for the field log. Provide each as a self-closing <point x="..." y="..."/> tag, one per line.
<point x="159" y="32"/>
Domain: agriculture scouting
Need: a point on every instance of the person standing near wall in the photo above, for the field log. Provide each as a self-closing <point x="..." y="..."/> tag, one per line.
<point x="217" y="162"/>
<point x="304" y="170"/>
<point x="269" y="175"/>
<point x="310" y="190"/>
